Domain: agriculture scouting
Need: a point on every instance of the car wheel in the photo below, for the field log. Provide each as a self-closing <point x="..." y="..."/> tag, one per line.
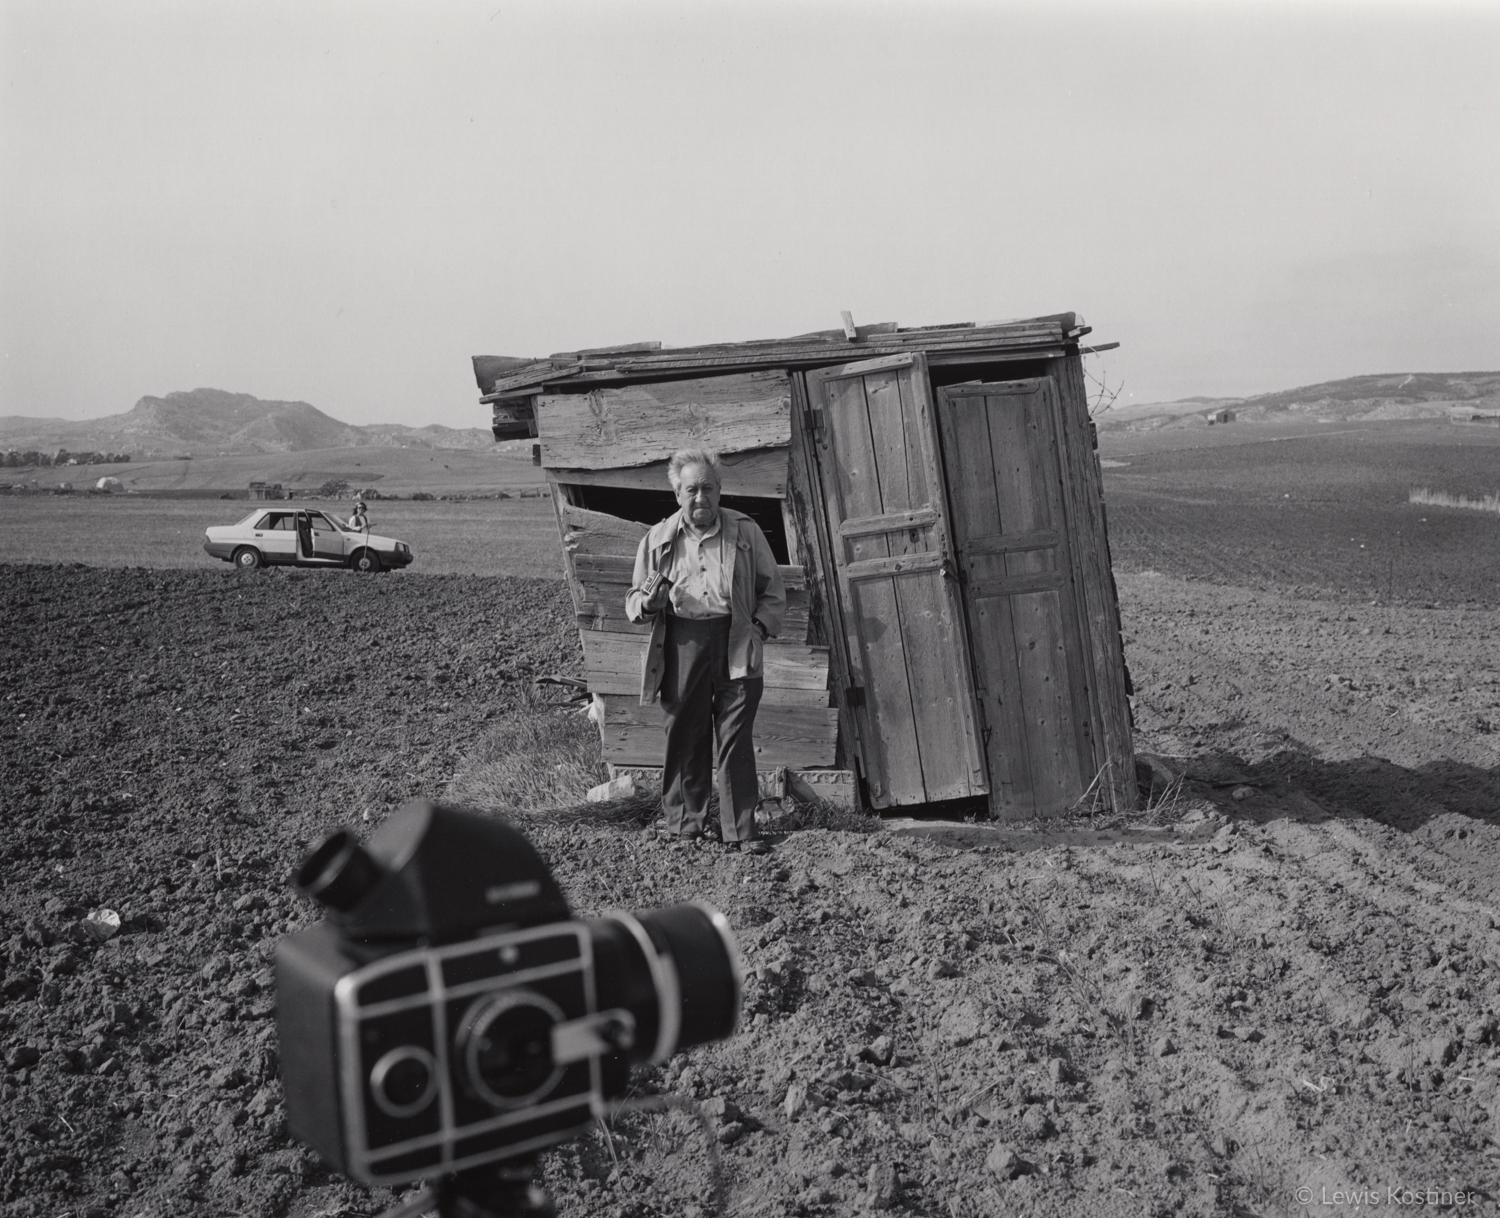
<point x="365" y="560"/>
<point x="247" y="558"/>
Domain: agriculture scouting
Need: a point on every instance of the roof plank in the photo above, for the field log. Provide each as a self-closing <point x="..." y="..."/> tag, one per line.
<point x="822" y="347"/>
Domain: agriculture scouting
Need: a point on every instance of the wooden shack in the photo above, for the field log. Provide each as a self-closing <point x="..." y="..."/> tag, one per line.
<point x="934" y="497"/>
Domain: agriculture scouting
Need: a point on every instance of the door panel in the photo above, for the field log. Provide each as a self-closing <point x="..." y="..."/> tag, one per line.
<point x="327" y="541"/>
<point x="1002" y="447"/>
<point x="278" y="539"/>
<point x="883" y="492"/>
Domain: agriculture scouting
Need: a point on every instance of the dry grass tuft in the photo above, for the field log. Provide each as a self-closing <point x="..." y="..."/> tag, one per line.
<point x="541" y="759"/>
<point x="537" y="759"/>
<point x="1485" y="503"/>
<point x="796" y="815"/>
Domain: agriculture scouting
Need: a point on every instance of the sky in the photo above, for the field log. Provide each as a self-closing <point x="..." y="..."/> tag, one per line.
<point x="341" y="201"/>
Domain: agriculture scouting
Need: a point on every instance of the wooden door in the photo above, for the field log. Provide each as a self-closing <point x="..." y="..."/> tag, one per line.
<point x="882" y="487"/>
<point x="1002" y="450"/>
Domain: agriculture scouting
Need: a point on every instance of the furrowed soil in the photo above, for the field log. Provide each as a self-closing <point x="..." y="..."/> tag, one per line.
<point x="1272" y="992"/>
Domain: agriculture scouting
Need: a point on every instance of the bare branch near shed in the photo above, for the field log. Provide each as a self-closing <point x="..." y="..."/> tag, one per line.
<point x="1102" y="395"/>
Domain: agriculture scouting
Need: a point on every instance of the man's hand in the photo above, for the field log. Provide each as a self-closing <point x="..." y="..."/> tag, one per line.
<point x="658" y="591"/>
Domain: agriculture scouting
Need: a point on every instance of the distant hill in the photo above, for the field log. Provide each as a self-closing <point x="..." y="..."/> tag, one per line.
<point x="1400" y="395"/>
<point x="211" y="422"/>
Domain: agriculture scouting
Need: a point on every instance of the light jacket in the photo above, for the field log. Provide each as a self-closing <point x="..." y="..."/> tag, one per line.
<point x="756" y="594"/>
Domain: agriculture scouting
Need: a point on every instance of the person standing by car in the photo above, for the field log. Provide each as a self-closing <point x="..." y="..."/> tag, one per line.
<point x="706" y="579"/>
<point x="359" y="522"/>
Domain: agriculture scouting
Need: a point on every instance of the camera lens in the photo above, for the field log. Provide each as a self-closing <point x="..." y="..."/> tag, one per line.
<point x="702" y="947"/>
<point x="676" y="970"/>
<point x="404" y="1081"/>
<point x="505" y="1045"/>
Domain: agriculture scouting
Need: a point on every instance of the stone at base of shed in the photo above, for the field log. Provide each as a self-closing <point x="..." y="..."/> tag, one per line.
<point x="832" y="786"/>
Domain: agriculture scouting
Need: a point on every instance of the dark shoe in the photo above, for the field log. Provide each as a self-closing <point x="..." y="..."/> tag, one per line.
<point x="690" y="835"/>
<point x="753" y="845"/>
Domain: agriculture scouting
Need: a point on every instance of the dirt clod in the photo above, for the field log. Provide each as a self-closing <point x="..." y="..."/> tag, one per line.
<point x="1003" y="1162"/>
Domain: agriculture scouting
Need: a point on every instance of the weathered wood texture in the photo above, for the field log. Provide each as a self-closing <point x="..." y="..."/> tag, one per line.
<point x="513" y="419"/>
<point x="599" y="550"/>
<point x="490" y="368"/>
<point x="879" y="467"/>
<point x="761" y="473"/>
<point x="795" y="725"/>
<point x="810" y="525"/>
<point x="1084" y="491"/>
<point x="794" y="674"/>
<point x="1011" y="531"/>
<point x="784" y="735"/>
<point x="639" y="424"/>
<point x="1037" y="335"/>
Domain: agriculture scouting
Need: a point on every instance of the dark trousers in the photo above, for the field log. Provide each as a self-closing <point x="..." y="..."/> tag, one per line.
<point x="709" y="724"/>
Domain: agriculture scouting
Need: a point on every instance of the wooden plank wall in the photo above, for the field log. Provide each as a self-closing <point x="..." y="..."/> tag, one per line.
<point x="826" y="623"/>
<point x="761" y="472"/>
<point x="1099" y="603"/>
<point x="796" y="725"/>
<point x="637" y="424"/>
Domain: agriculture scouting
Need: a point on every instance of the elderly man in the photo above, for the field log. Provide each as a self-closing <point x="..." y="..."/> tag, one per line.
<point x="707" y="580"/>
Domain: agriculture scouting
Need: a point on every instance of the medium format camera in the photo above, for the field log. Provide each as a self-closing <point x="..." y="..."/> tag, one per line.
<point x="450" y="1014"/>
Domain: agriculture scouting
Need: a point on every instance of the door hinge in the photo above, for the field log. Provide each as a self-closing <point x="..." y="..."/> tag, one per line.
<point x="854" y="697"/>
<point x="814" y="418"/>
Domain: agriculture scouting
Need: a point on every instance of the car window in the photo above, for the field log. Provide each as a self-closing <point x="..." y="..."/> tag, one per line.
<point x="284" y="521"/>
<point x="268" y="521"/>
<point x="320" y="521"/>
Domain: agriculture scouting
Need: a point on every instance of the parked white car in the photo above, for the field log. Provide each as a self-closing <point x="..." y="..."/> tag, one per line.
<point x="303" y="537"/>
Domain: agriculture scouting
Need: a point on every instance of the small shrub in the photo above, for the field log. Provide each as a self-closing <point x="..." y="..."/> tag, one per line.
<point x="421" y="496"/>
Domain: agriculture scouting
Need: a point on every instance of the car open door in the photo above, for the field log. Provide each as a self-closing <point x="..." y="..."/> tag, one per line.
<point x="882" y="486"/>
<point x="327" y="539"/>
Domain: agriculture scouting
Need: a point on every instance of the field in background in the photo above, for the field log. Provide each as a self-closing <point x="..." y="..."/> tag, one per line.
<point x="1322" y="511"/>
<point x="463" y="537"/>
<point x="389" y="471"/>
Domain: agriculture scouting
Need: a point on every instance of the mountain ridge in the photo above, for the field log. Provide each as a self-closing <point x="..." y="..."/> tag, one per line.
<point x="1389" y="395"/>
<point x="215" y="421"/>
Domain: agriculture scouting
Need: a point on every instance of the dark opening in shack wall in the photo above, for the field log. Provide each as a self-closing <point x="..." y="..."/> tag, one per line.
<point x="987" y="371"/>
<point x="648" y="507"/>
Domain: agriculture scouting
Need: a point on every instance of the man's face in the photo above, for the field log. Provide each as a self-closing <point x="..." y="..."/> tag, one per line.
<point x="698" y="495"/>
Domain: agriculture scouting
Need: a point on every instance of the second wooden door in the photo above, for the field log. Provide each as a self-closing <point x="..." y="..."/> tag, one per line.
<point x="1002" y="449"/>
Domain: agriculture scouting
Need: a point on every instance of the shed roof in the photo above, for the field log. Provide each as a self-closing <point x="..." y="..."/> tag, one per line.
<point x="501" y="377"/>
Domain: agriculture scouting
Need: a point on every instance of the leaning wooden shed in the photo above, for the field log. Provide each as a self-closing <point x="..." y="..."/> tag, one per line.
<point x="934" y="497"/>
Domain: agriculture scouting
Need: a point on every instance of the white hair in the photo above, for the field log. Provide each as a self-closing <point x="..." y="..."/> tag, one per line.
<point x="684" y="457"/>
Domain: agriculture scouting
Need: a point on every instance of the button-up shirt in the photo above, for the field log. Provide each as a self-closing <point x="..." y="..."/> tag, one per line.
<point x="700" y="575"/>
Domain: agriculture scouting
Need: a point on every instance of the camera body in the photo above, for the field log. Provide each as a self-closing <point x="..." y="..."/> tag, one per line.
<point x="449" y="1014"/>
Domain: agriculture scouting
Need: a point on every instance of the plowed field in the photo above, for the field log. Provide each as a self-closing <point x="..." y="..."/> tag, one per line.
<point x="1274" y="994"/>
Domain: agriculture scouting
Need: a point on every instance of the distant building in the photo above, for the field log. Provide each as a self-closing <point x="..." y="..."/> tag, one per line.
<point x="266" y="490"/>
<point x="1474" y="414"/>
<point x="1219" y="416"/>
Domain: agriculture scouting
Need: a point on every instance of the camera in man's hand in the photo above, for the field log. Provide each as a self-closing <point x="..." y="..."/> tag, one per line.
<point x="657" y="590"/>
<point x="451" y="1015"/>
